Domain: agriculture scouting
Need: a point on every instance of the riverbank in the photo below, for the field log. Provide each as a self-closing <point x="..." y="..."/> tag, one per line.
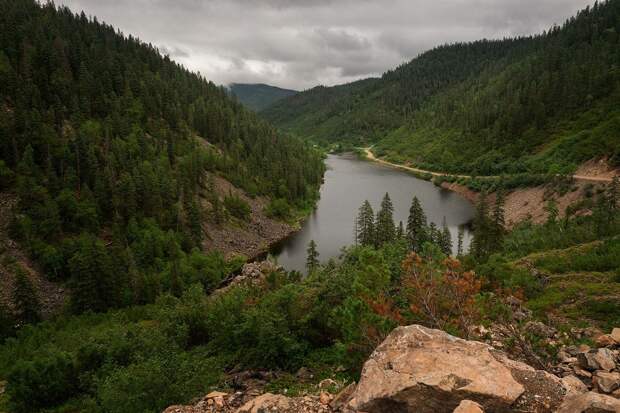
<point x="530" y="203"/>
<point x="526" y="203"/>
<point x="250" y="239"/>
<point x="592" y="171"/>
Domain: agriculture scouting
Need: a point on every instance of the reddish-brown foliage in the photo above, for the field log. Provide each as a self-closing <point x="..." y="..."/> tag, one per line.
<point x="441" y="295"/>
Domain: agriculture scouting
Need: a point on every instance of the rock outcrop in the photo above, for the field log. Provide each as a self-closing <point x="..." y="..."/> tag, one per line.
<point x="417" y="369"/>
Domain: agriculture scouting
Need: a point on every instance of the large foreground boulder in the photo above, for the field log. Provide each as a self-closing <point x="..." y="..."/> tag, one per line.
<point x="417" y="369"/>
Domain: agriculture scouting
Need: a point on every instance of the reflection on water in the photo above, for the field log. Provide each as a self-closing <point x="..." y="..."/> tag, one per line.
<point x="348" y="182"/>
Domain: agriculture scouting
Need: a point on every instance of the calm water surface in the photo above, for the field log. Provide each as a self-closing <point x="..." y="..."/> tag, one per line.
<point x="348" y="182"/>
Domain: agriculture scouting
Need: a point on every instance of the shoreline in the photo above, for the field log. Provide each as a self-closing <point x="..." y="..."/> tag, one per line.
<point x="371" y="157"/>
<point x="521" y="204"/>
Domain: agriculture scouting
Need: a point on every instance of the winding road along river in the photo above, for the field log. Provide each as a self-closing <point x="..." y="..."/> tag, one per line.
<point x="348" y="182"/>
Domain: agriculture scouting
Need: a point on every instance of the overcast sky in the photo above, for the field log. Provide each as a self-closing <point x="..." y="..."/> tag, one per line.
<point x="302" y="43"/>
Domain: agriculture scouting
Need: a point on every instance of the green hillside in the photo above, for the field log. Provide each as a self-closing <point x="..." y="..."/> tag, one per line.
<point x="258" y="96"/>
<point x="542" y="103"/>
<point x="107" y="143"/>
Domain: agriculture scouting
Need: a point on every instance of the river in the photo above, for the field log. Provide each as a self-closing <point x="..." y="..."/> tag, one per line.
<point x="348" y="182"/>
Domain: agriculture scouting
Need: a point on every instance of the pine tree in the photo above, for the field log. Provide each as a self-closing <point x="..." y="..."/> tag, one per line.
<point x="600" y="214"/>
<point x="366" y="225"/>
<point x="312" y="262"/>
<point x="445" y="238"/>
<point x="400" y="232"/>
<point x="499" y="221"/>
<point x="194" y="217"/>
<point x="385" y="231"/>
<point x="25" y="299"/>
<point x="433" y="234"/>
<point x="95" y="285"/>
<point x="482" y="229"/>
<point x="551" y="208"/>
<point x="459" y="244"/>
<point x="417" y="232"/>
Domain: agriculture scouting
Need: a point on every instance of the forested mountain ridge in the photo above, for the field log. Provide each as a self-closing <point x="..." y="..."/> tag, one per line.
<point x="367" y="109"/>
<point x="537" y="104"/>
<point x="258" y="96"/>
<point x="107" y="144"/>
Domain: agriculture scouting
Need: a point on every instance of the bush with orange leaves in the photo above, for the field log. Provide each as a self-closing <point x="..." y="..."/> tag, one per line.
<point x="441" y="295"/>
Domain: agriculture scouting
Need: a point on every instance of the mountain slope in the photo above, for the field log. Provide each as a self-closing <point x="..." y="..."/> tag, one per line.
<point x="258" y="96"/>
<point x="536" y="104"/>
<point x="365" y="110"/>
<point x="109" y="147"/>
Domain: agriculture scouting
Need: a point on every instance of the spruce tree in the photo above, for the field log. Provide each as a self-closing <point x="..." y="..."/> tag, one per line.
<point x="312" y="261"/>
<point x="445" y="238"/>
<point x="366" y="225"/>
<point x="416" y="226"/>
<point x="433" y="234"/>
<point x="385" y="230"/>
<point x="95" y="285"/>
<point x="459" y="244"/>
<point x="499" y="221"/>
<point x="25" y="298"/>
<point x="482" y="228"/>
<point x="194" y="217"/>
<point x="400" y="231"/>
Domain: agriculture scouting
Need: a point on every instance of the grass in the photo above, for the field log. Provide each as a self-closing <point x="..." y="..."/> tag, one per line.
<point x="581" y="283"/>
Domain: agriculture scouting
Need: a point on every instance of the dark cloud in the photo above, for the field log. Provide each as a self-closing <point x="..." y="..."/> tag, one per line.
<point x="302" y="43"/>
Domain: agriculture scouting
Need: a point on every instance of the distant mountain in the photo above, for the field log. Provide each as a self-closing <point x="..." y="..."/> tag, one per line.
<point x="544" y="103"/>
<point x="258" y="96"/>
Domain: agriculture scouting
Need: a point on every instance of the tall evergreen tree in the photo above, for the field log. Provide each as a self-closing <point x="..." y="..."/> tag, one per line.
<point x="459" y="243"/>
<point x="417" y="232"/>
<point x="498" y="221"/>
<point x="445" y="238"/>
<point x="366" y="225"/>
<point x="94" y="282"/>
<point x="312" y="260"/>
<point x="385" y="231"/>
<point x="25" y="298"/>
<point x="482" y="229"/>
<point x="195" y="218"/>
<point x="400" y="231"/>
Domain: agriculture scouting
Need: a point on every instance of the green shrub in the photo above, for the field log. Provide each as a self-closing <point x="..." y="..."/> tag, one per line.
<point x="153" y="384"/>
<point x="237" y="207"/>
<point x="606" y="311"/>
<point x="46" y="381"/>
<point x="278" y="208"/>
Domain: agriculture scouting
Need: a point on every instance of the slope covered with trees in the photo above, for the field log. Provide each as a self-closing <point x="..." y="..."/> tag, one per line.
<point x="537" y="104"/>
<point x="258" y="96"/>
<point x="107" y="143"/>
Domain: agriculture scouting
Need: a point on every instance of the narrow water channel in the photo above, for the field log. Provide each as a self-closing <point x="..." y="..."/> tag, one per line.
<point x="348" y="182"/>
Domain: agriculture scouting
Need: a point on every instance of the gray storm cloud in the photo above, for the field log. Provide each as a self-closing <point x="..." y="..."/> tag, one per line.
<point x="301" y="43"/>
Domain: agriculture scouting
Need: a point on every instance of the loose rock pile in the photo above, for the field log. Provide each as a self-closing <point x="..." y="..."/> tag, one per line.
<point x="417" y="369"/>
<point x="218" y="402"/>
<point x="597" y="369"/>
<point x="252" y="273"/>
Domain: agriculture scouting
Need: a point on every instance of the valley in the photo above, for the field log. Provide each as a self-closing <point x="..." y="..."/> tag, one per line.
<point x="443" y="237"/>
